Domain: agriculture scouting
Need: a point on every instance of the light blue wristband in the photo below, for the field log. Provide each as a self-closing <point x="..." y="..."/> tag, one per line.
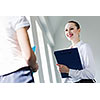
<point x="34" y="48"/>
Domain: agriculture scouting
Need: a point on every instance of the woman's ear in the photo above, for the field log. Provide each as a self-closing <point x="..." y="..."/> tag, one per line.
<point x="79" y="30"/>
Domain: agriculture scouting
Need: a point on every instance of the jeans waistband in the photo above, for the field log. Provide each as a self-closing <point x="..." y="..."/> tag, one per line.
<point x="23" y="68"/>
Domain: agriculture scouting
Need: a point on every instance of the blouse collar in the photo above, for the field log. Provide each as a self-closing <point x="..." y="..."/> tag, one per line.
<point x="79" y="44"/>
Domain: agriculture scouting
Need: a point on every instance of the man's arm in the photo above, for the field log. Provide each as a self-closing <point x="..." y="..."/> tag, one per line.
<point x="26" y="49"/>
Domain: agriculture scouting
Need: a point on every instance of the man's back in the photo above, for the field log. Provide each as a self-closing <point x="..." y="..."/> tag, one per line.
<point x="10" y="53"/>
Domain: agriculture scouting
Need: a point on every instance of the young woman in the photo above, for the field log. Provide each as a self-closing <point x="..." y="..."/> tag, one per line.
<point x="17" y="60"/>
<point x="86" y="75"/>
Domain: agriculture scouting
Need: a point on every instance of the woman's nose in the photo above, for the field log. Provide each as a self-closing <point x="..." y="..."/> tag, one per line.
<point x="68" y="32"/>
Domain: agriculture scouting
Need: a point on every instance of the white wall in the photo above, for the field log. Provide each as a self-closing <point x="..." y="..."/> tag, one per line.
<point x="90" y="33"/>
<point x="43" y="40"/>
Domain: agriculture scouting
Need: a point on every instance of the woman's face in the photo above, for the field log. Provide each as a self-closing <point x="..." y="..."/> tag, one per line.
<point x="71" y="32"/>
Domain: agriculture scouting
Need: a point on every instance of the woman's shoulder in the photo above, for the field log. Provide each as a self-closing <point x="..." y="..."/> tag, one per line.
<point x="85" y="46"/>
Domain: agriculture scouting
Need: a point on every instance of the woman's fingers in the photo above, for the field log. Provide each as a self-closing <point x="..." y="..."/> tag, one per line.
<point x="63" y="68"/>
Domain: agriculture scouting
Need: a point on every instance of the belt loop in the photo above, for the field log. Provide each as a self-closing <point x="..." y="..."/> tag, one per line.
<point x="94" y="80"/>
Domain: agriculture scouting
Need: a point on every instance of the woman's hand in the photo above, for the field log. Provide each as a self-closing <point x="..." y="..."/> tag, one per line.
<point x="63" y="68"/>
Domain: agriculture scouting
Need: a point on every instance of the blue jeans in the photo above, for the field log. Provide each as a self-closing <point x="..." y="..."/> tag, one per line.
<point x="23" y="75"/>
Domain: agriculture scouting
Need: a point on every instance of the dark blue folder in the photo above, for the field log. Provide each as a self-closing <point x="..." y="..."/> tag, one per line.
<point x="70" y="58"/>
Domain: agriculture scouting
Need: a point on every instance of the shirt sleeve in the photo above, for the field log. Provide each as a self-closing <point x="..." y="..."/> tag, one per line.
<point x="19" y="22"/>
<point x="88" y="65"/>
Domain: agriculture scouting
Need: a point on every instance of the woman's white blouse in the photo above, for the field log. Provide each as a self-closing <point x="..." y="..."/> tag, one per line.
<point x="87" y="61"/>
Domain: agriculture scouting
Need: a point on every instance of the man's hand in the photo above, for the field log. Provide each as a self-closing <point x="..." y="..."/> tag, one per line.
<point x="34" y="68"/>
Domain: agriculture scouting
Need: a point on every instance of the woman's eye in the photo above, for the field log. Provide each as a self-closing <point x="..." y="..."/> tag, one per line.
<point x="66" y="30"/>
<point x="71" y="28"/>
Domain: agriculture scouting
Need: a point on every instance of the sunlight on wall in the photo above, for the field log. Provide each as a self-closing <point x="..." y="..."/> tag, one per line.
<point x="42" y="53"/>
<point x="51" y="63"/>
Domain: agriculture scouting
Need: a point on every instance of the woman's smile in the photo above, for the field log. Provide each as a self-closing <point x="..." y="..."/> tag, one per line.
<point x="69" y="35"/>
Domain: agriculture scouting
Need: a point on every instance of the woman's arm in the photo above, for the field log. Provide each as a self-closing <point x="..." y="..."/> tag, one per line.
<point x="88" y="66"/>
<point x="26" y="49"/>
